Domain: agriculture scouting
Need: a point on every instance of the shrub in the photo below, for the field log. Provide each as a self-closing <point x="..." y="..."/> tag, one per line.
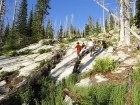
<point x="46" y="81"/>
<point x="48" y="50"/>
<point x="26" y="51"/>
<point x="12" y="53"/>
<point x="25" y="94"/>
<point x="104" y="64"/>
<point x="6" y="73"/>
<point x="7" y="48"/>
<point x="114" y="40"/>
<point x="41" y="51"/>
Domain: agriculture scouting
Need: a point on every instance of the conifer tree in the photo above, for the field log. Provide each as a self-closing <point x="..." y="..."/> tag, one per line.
<point x="137" y="16"/>
<point x="78" y="32"/>
<point x="41" y="10"/>
<point x="6" y="32"/>
<point x="87" y="29"/>
<point x="60" y="32"/>
<point x="49" y="30"/>
<point x="106" y="24"/>
<point x="97" y="29"/>
<point x="21" y="21"/>
<point x="112" y="22"/>
<point x="30" y="24"/>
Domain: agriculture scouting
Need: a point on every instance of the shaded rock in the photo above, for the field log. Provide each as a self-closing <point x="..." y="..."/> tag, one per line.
<point x="4" y="90"/>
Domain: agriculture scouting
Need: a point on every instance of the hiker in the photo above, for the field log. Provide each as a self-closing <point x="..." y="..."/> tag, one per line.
<point x="78" y="47"/>
<point x="102" y="44"/>
<point x="83" y="45"/>
<point x="91" y="46"/>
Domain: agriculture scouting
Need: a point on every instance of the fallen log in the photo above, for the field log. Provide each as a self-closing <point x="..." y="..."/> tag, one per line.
<point x="67" y="91"/>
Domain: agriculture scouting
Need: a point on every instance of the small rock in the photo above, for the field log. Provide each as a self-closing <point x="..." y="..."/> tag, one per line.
<point x="2" y="83"/>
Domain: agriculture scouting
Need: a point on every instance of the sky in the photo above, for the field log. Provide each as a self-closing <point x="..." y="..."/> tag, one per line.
<point x="80" y="9"/>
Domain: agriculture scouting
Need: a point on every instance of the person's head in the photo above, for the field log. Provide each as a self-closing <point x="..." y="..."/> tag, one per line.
<point x="90" y="39"/>
<point x="77" y="42"/>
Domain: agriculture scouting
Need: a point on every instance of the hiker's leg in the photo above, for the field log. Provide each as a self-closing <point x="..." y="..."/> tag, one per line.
<point x="78" y="53"/>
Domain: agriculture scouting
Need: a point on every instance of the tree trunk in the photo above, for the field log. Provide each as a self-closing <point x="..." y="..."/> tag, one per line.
<point x="127" y="22"/>
<point x="122" y="38"/>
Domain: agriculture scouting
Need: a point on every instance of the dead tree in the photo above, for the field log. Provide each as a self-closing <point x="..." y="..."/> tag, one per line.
<point x="15" y="12"/>
<point x="124" y="21"/>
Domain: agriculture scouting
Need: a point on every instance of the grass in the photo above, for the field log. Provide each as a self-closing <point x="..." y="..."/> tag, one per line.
<point x="104" y="64"/>
<point x="107" y="94"/>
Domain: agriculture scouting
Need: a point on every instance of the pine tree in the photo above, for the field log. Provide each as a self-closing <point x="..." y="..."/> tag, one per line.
<point x="35" y="28"/>
<point x="87" y="29"/>
<point x="30" y="24"/>
<point x="112" y="22"/>
<point x="6" y="32"/>
<point x="49" y="29"/>
<point x="90" y="23"/>
<point x="97" y="29"/>
<point x="60" y="33"/>
<point x="41" y="10"/>
<point x="21" y="21"/>
<point x="106" y="25"/>
<point x="78" y="34"/>
<point x="11" y="37"/>
<point x="137" y="16"/>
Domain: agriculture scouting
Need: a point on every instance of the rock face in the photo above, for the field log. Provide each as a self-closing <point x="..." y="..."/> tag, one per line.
<point x="22" y="70"/>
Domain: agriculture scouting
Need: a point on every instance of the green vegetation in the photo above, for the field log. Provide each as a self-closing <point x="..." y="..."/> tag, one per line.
<point x="114" y="40"/>
<point x="6" y="73"/>
<point x="26" y="51"/>
<point x="136" y="73"/>
<point x="50" y="94"/>
<point x="104" y="64"/>
<point x="136" y="94"/>
<point x="107" y="94"/>
<point x="25" y="94"/>
<point x="41" y="51"/>
<point x="42" y="63"/>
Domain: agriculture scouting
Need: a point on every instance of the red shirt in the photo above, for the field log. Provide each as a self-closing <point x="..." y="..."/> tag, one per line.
<point x="79" y="47"/>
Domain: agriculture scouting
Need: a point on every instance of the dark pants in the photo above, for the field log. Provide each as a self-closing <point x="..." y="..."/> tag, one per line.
<point x="91" y="49"/>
